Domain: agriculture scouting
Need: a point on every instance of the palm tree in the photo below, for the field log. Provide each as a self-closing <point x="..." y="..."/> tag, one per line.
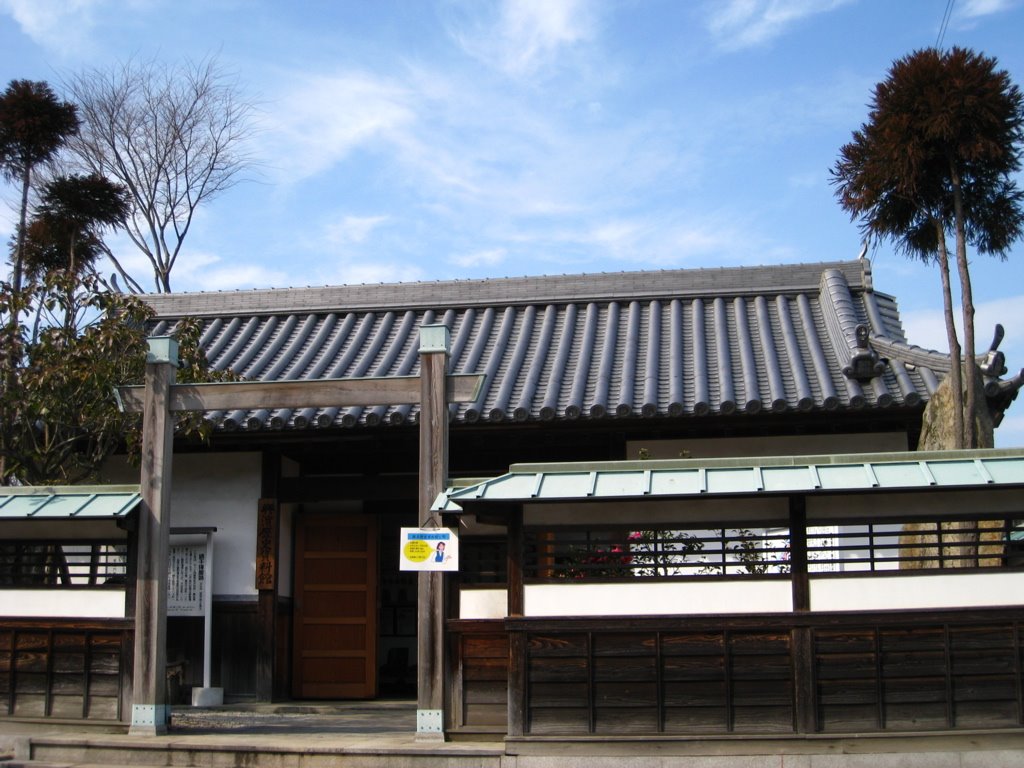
<point x="65" y="235"/>
<point x="34" y="124"/>
<point x="936" y="159"/>
<point x="66" y="229"/>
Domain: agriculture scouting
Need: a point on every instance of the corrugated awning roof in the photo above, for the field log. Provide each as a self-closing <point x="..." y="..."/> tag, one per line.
<point x="68" y="502"/>
<point x="632" y="480"/>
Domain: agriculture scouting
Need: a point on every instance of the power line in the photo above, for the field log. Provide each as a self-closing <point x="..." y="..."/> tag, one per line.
<point x="945" y="22"/>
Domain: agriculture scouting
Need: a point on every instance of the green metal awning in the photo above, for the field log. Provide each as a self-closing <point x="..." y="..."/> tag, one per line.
<point x="851" y="473"/>
<point x="68" y="502"/>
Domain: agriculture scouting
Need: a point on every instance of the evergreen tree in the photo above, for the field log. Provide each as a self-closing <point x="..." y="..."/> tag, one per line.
<point x="936" y="160"/>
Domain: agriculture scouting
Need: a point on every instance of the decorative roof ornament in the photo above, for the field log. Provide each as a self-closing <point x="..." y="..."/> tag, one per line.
<point x="994" y="362"/>
<point x="999" y="392"/>
<point x="865" y="363"/>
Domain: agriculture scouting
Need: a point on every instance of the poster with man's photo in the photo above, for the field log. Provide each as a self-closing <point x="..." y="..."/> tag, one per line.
<point x="429" y="549"/>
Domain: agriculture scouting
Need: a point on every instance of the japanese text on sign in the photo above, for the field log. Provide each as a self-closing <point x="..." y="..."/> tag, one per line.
<point x="429" y="550"/>
<point x="186" y="573"/>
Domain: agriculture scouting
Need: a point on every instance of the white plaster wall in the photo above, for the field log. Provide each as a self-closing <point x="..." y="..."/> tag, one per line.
<point x="644" y="599"/>
<point x="483" y="604"/>
<point x="62" y="603"/>
<point x="968" y="590"/>
<point x="220" y="490"/>
<point x="871" y="593"/>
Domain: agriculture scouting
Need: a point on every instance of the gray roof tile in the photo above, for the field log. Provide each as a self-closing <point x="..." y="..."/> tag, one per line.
<point x="673" y="343"/>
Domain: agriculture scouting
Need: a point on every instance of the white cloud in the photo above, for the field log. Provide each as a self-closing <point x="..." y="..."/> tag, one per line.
<point x="352" y="229"/>
<point x="738" y="24"/>
<point x="1010" y="433"/>
<point x="669" y="240"/>
<point x="203" y="271"/>
<point x="8" y="220"/>
<point x="526" y="35"/>
<point x="927" y="328"/>
<point x="227" y="278"/>
<point x="973" y="9"/>
<point x="322" y="119"/>
<point x="491" y="257"/>
<point x="808" y="180"/>
<point x="61" y="26"/>
<point x="371" y="273"/>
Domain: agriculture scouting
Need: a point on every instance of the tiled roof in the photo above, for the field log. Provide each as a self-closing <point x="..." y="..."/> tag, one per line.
<point x="676" y="343"/>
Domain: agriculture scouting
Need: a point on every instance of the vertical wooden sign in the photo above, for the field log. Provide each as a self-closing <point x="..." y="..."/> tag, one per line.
<point x="266" y="544"/>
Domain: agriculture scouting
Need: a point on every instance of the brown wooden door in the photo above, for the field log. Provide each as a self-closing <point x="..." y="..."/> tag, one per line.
<point x="335" y="606"/>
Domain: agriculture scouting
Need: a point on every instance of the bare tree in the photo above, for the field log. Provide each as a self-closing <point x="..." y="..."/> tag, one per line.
<point x="173" y="135"/>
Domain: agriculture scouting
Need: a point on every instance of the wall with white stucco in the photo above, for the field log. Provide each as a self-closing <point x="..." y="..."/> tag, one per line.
<point x="220" y="490"/>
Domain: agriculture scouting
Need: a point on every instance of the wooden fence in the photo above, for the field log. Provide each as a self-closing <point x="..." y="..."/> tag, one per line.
<point x="833" y="673"/>
<point x="65" y="669"/>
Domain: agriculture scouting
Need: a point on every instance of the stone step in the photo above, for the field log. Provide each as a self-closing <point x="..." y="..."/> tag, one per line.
<point x="254" y="752"/>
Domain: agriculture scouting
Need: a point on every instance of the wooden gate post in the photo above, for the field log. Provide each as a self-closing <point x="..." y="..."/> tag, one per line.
<point x="433" y="473"/>
<point x="150" y="711"/>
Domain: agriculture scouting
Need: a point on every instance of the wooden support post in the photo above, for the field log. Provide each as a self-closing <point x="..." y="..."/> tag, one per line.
<point x="798" y="571"/>
<point x="801" y="638"/>
<point x="268" y="527"/>
<point x="433" y="472"/>
<point x="150" y="712"/>
<point x="517" y="693"/>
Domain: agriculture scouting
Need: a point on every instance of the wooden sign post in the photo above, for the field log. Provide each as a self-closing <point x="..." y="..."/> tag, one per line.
<point x="160" y="397"/>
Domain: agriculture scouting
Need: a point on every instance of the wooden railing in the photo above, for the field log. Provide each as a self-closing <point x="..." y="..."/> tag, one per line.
<point x="63" y="564"/>
<point x="625" y="554"/>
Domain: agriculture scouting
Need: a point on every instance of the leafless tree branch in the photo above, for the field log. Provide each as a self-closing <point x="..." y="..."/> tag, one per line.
<point x="174" y="136"/>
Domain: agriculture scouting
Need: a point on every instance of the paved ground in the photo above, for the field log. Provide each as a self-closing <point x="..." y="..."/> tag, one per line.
<point x="384" y="732"/>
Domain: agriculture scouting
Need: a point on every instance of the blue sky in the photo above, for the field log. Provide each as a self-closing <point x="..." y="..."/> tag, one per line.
<point x="426" y="140"/>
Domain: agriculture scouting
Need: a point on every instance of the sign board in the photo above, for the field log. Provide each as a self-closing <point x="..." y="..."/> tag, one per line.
<point x="429" y="549"/>
<point x="186" y="580"/>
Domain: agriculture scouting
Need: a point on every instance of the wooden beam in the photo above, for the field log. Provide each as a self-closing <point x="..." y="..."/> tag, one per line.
<point x="323" y="393"/>
<point x="300" y="490"/>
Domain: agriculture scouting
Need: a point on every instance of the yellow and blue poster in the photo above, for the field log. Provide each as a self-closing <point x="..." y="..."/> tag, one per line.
<point x="429" y="549"/>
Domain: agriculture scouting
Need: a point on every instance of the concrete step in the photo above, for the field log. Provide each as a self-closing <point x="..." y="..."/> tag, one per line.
<point x="258" y="751"/>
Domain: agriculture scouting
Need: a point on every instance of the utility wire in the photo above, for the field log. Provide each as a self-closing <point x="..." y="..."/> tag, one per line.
<point x="945" y="22"/>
